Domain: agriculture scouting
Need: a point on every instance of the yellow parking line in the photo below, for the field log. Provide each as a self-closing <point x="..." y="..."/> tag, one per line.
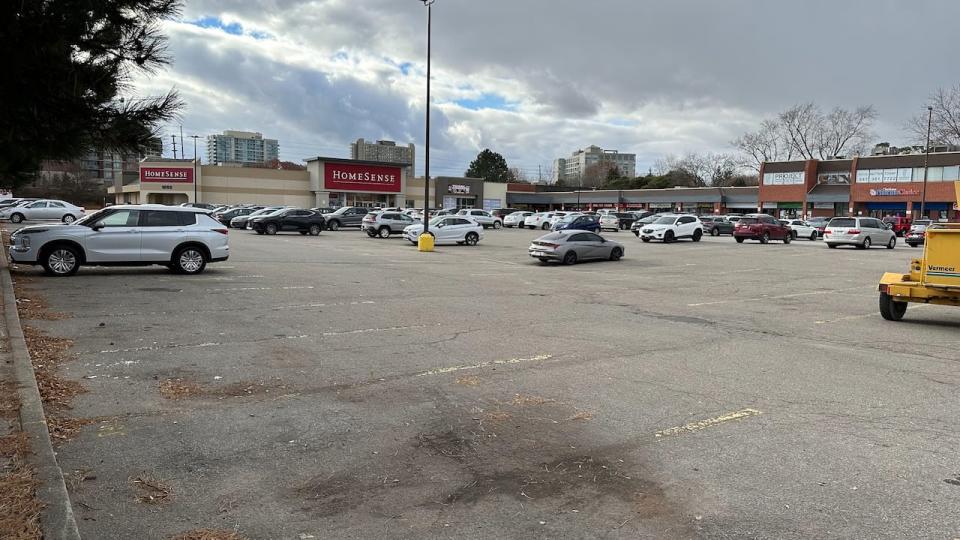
<point x="703" y="424"/>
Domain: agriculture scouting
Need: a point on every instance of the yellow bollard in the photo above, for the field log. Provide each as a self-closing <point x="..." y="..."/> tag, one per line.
<point x="425" y="242"/>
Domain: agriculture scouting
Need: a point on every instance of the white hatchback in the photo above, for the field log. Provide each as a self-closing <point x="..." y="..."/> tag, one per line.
<point x="448" y="230"/>
<point x="182" y="239"/>
<point x="44" y="209"/>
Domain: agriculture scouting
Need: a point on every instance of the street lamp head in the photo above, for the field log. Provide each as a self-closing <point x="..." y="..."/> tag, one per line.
<point x="929" y="108"/>
<point x="428" y="3"/>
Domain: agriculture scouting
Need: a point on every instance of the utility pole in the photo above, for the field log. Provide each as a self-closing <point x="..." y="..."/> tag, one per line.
<point x="539" y="174"/>
<point x="926" y="157"/>
<point x="174" y="137"/>
<point x="426" y="164"/>
<point x="195" y="137"/>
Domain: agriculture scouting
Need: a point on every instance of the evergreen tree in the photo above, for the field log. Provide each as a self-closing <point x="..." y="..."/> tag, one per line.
<point x="490" y="166"/>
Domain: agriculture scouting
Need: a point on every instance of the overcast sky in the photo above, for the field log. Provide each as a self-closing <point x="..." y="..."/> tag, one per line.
<point x="538" y="79"/>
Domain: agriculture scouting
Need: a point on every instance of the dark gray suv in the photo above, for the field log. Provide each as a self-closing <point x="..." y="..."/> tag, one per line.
<point x="383" y="224"/>
<point x="348" y="216"/>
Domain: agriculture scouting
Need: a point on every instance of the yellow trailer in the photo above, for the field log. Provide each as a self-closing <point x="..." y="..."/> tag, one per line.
<point x="933" y="279"/>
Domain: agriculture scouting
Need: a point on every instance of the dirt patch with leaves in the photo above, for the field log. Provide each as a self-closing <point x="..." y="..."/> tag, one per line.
<point x="208" y="534"/>
<point x="502" y="457"/>
<point x="31" y="305"/>
<point x="19" y="507"/>
<point x="180" y="388"/>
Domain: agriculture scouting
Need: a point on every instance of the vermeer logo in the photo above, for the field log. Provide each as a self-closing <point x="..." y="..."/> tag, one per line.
<point x="932" y="268"/>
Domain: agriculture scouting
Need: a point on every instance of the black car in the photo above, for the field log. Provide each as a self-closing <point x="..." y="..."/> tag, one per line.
<point x="292" y="219"/>
<point x="226" y="215"/>
<point x="715" y="226"/>
<point x="626" y="219"/>
<point x="635" y="227"/>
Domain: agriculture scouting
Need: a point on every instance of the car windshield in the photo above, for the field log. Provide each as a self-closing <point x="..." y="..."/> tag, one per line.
<point x="265" y="212"/>
<point x="436" y="221"/>
<point x="666" y="220"/>
<point x="90" y="218"/>
<point x="747" y="221"/>
<point x="890" y="219"/>
<point x="843" y="222"/>
<point x="340" y="211"/>
<point x="552" y="237"/>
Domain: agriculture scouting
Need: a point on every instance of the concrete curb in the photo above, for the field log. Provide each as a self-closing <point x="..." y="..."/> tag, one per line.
<point x="56" y="520"/>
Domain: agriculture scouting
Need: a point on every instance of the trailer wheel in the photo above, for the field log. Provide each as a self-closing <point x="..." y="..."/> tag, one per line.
<point x="890" y="309"/>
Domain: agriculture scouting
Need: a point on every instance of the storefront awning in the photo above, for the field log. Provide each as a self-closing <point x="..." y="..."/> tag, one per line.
<point x="829" y="193"/>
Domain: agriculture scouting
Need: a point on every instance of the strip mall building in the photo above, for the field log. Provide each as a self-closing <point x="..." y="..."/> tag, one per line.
<point x="326" y="182"/>
<point x="870" y="186"/>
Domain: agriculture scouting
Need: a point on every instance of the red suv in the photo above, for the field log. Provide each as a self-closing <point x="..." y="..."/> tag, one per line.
<point x="899" y="224"/>
<point x="761" y="227"/>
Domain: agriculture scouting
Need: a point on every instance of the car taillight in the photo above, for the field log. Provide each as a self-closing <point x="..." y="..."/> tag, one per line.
<point x="221" y="231"/>
<point x="853" y="231"/>
<point x="827" y="231"/>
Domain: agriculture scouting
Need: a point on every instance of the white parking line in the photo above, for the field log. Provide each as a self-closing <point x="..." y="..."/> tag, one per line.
<point x="703" y="424"/>
<point x="233" y="289"/>
<point x="441" y="371"/>
<point x="865" y="315"/>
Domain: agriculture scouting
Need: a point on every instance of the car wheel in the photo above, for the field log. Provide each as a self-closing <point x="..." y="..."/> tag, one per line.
<point x="472" y="238"/>
<point x="813" y="236"/>
<point x="189" y="260"/>
<point x="739" y="239"/>
<point x="831" y="246"/>
<point x="914" y="245"/>
<point x="765" y="238"/>
<point x="787" y="238"/>
<point x="413" y="243"/>
<point x="668" y="237"/>
<point x="892" y="243"/>
<point x="497" y="224"/>
<point x="645" y="240"/>
<point x="271" y="229"/>
<point x="384" y="232"/>
<point x="866" y="243"/>
<point x="545" y="226"/>
<point x="16" y="218"/>
<point x="616" y="254"/>
<point x="61" y="261"/>
<point x="570" y="257"/>
<point x="891" y="310"/>
<point x="315" y="230"/>
<point x="258" y="231"/>
<point x="715" y="231"/>
<point x="697" y="235"/>
<point x="303" y="233"/>
<point x="334" y="225"/>
<point x="68" y="218"/>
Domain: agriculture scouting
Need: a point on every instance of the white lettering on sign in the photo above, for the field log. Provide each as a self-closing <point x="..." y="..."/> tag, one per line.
<point x="344" y="176"/>
<point x="165" y="174"/>
<point x="458" y="188"/>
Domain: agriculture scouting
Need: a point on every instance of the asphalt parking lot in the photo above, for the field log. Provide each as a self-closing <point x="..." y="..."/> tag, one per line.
<point x="346" y="387"/>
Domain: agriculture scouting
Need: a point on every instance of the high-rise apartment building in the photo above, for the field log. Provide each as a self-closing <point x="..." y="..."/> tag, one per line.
<point x="240" y="147"/>
<point x="571" y="169"/>
<point x="384" y="151"/>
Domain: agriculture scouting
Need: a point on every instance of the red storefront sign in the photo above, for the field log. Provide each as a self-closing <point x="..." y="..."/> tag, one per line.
<point x="166" y="175"/>
<point x="357" y="177"/>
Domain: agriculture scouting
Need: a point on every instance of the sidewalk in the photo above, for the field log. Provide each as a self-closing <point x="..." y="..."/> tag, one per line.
<point x="57" y="520"/>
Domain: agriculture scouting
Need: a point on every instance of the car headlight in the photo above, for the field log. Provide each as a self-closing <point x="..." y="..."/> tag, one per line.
<point x="21" y="240"/>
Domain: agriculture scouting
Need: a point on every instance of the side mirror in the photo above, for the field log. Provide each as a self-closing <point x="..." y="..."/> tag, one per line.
<point x="97" y="226"/>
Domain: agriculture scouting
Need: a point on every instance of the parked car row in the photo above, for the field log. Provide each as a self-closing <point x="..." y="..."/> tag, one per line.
<point x="19" y="210"/>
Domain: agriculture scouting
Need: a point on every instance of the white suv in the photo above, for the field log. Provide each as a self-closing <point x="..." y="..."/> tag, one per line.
<point x="671" y="227"/>
<point x="484" y="218"/>
<point x="180" y="238"/>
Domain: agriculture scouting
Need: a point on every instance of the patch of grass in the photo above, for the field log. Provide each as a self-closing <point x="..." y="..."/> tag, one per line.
<point x="63" y="428"/>
<point x="9" y="400"/>
<point x="15" y="444"/>
<point x="31" y="305"/>
<point x="47" y="354"/>
<point x="469" y="381"/>
<point x="582" y="415"/>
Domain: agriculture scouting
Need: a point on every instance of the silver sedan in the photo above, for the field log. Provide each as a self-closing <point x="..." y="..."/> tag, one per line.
<point x="572" y="246"/>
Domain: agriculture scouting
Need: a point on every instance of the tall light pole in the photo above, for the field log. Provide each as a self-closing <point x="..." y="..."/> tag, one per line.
<point x="926" y="157"/>
<point x="195" y="137"/>
<point x="426" y="161"/>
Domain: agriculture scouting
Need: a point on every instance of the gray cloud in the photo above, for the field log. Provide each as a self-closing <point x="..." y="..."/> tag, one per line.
<point x="638" y="76"/>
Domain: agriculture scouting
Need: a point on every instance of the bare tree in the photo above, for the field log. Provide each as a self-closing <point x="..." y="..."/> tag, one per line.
<point x="805" y="132"/>
<point x="844" y="131"/>
<point x="594" y="175"/>
<point x="519" y="175"/>
<point x="944" y="121"/>
<point x="769" y="143"/>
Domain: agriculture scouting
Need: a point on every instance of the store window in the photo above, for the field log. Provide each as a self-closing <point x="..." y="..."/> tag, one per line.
<point x="904" y="174"/>
<point x="951" y="174"/>
<point x="936" y="174"/>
